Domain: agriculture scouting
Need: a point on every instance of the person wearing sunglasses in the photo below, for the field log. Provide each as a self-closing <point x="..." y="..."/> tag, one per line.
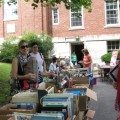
<point x="18" y="64"/>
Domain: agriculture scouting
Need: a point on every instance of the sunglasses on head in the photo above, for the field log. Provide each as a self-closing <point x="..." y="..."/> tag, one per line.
<point x="24" y="46"/>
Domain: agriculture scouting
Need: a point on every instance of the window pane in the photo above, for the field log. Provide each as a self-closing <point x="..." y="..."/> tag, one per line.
<point x="113" y="45"/>
<point x="55" y="15"/>
<point x="10" y="11"/>
<point x="109" y="47"/>
<point x="117" y="46"/>
<point x="112" y="12"/>
<point x="76" y="18"/>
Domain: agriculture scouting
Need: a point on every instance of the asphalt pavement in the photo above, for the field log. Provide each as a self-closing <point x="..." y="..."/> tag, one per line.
<point x="104" y="107"/>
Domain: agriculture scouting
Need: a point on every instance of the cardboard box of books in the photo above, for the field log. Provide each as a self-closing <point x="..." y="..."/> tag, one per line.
<point x="88" y="114"/>
<point x="84" y="115"/>
<point x="11" y="118"/>
<point x="5" y="114"/>
<point x="75" y="100"/>
<point x="77" y="85"/>
<point x="27" y="96"/>
<point x="81" y="81"/>
<point x="44" y="89"/>
<point x="58" y="102"/>
<point x="48" y="87"/>
<point x="17" y="108"/>
<point x="83" y="93"/>
<point x="4" y="117"/>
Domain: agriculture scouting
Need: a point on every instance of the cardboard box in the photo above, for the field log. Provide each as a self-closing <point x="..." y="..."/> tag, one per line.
<point x="83" y="100"/>
<point x="77" y="85"/>
<point x="80" y="115"/>
<point x="90" y="113"/>
<point x="5" y="114"/>
<point x="25" y="97"/>
<point x="7" y="108"/>
<point x="44" y="89"/>
<point x="75" y="101"/>
<point x="5" y="111"/>
<point x="80" y="80"/>
<point x="86" y="115"/>
<point x="4" y="117"/>
<point x="11" y="118"/>
<point x="44" y="85"/>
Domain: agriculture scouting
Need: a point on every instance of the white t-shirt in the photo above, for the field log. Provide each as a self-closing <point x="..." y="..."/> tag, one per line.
<point x="39" y="60"/>
<point x="52" y="67"/>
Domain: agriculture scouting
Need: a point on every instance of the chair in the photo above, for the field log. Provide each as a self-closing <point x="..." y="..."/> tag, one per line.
<point x="97" y="72"/>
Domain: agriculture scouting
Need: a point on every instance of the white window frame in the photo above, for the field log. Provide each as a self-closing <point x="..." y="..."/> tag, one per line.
<point x="53" y="14"/>
<point x="77" y="27"/>
<point x="113" y="45"/>
<point x="118" y="9"/>
<point x="8" y="11"/>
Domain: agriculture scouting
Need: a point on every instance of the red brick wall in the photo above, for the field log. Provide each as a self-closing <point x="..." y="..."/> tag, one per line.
<point x="94" y="22"/>
<point x="28" y="20"/>
<point x="31" y="20"/>
<point x="1" y="22"/>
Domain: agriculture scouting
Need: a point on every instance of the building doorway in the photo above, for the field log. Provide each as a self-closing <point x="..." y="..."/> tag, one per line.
<point x="75" y="47"/>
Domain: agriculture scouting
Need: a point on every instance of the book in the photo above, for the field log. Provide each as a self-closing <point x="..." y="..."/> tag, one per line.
<point x="56" y="109"/>
<point x="63" y="100"/>
<point x="48" y="116"/>
<point x="28" y="106"/>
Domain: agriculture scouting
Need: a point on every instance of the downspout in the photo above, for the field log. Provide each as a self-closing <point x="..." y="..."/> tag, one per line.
<point x="3" y="22"/>
<point x="34" y="20"/>
<point x="21" y="15"/>
<point x="42" y="18"/>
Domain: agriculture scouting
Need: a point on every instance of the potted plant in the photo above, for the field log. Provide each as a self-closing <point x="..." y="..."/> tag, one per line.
<point x="106" y="57"/>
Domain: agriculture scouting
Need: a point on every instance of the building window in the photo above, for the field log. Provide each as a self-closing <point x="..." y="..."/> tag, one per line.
<point x="55" y="16"/>
<point x="113" y="45"/>
<point x="76" y="18"/>
<point x="10" y="11"/>
<point x="112" y="12"/>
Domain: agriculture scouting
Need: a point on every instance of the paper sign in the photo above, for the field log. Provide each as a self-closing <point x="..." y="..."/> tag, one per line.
<point x="114" y="58"/>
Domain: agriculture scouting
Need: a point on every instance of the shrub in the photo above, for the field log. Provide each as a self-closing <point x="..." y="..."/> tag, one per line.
<point x="29" y="36"/>
<point x="11" y="38"/>
<point x="8" y="52"/>
<point x="106" y="57"/>
<point x="46" y="44"/>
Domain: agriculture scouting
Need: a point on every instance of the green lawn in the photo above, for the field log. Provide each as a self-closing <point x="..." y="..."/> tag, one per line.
<point x="4" y="81"/>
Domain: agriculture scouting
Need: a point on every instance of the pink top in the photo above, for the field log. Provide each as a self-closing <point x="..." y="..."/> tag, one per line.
<point x="87" y="61"/>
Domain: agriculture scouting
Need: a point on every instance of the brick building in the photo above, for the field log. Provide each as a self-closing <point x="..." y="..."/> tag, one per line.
<point x="98" y="31"/>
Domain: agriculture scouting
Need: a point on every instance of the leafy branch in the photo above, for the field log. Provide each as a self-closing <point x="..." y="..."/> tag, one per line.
<point x="68" y="3"/>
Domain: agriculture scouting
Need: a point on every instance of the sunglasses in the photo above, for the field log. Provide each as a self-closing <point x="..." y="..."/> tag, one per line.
<point x="24" y="46"/>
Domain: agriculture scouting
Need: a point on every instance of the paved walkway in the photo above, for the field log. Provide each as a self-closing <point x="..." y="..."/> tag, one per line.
<point x="104" y="107"/>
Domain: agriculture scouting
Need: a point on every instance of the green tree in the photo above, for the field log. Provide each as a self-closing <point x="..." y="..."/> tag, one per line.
<point x="68" y="3"/>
